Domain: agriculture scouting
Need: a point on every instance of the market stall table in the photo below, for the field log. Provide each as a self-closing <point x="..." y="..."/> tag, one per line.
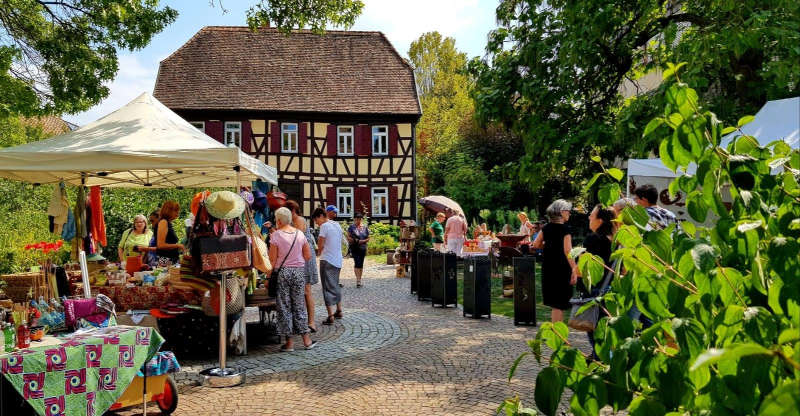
<point x="147" y="297"/>
<point x="84" y="373"/>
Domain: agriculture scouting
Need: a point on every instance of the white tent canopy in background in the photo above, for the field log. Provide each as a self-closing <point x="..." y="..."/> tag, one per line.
<point x="143" y="143"/>
<point x="776" y="120"/>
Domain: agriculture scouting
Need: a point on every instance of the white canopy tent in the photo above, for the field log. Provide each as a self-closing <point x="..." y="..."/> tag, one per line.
<point x="776" y="120"/>
<point x="143" y="143"/>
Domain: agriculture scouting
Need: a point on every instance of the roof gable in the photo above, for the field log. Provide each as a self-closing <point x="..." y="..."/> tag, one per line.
<point x="234" y="68"/>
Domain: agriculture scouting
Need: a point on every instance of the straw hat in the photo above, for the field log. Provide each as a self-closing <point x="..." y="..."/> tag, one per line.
<point x="225" y="205"/>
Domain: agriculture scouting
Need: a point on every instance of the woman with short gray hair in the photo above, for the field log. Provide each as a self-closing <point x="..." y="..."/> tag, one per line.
<point x="555" y="240"/>
<point x="289" y="250"/>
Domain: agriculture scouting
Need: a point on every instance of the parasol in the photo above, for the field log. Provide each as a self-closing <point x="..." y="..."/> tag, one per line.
<point x="438" y="203"/>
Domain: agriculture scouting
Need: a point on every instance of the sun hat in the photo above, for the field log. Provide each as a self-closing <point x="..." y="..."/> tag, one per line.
<point x="332" y="208"/>
<point x="225" y="205"/>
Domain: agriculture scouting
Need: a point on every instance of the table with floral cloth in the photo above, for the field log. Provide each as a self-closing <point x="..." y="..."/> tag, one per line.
<point x="85" y="374"/>
<point x="147" y="297"/>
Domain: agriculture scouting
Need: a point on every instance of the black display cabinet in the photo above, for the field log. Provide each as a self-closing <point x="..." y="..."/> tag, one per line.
<point x="524" y="290"/>
<point x="444" y="280"/>
<point x="477" y="287"/>
<point x="413" y="271"/>
<point x="424" y="274"/>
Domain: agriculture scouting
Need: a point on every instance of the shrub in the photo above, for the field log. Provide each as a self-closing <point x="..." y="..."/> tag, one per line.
<point x="378" y="244"/>
<point x="378" y="228"/>
<point x="724" y="300"/>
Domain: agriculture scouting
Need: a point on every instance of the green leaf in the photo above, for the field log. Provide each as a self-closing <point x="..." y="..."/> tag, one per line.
<point x="516" y="363"/>
<point x="593" y="180"/>
<point x="744" y="120"/>
<point x="783" y="401"/>
<point x="713" y="355"/>
<point x="789" y="335"/>
<point x="592" y="271"/>
<point x="661" y="243"/>
<point x="697" y="206"/>
<point x="628" y="236"/>
<point x="595" y="158"/>
<point x="590" y="396"/>
<point x="548" y="390"/>
<point x="704" y="256"/>
<point x="728" y="130"/>
<point x="616" y="173"/>
<point x="645" y="406"/>
<point x="609" y="193"/>
<point x="652" y="125"/>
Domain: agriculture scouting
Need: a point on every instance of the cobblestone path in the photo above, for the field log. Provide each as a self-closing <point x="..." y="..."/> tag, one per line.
<point x="389" y="355"/>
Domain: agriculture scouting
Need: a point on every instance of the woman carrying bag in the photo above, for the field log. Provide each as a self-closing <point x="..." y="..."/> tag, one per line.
<point x="289" y="250"/>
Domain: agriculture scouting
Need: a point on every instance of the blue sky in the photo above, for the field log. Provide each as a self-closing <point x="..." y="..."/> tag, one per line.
<point x="403" y="21"/>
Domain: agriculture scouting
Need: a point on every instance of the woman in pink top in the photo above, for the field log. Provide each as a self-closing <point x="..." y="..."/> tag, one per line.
<point x="288" y="251"/>
<point x="455" y="233"/>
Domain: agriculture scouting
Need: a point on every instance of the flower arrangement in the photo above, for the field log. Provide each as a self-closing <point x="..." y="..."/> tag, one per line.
<point x="47" y="253"/>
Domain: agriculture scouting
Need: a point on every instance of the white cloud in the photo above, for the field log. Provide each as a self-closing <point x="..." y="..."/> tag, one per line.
<point x="135" y="76"/>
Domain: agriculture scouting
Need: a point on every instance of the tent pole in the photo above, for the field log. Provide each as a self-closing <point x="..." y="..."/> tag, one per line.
<point x="628" y="186"/>
<point x="238" y="170"/>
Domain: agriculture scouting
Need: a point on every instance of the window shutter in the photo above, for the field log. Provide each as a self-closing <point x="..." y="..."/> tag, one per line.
<point x="364" y="200"/>
<point x="214" y="129"/>
<point x="393" y="137"/>
<point x="275" y="138"/>
<point x="394" y="209"/>
<point x="358" y="143"/>
<point x="363" y="140"/>
<point x="332" y="140"/>
<point x="302" y="138"/>
<point x="330" y="195"/>
<point x="247" y="134"/>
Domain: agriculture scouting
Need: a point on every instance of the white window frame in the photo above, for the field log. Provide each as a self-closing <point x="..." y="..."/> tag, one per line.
<point x="378" y="209"/>
<point x="287" y="133"/>
<point x="380" y="140"/>
<point x="345" y="138"/>
<point x="345" y="208"/>
<point x="199" y="125"/>
<point x="234" y="128"/>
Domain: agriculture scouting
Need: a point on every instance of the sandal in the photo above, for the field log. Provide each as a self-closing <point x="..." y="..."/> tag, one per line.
<point x="358" y="285"/>
<point x="284" y="349"/>
<point x="338" y="315"/>
<point x="312" y="329"/>
<point x="328" y="321"/>
<point x="311" y="345"/>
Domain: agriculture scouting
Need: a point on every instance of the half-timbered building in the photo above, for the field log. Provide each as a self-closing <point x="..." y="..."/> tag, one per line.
<point x="334" y="113"/>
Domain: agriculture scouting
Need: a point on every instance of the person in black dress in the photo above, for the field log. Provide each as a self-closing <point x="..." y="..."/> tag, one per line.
<point x="598" y="242"/>
<point x="555" y="241"/>
<point x="168" y="249"/>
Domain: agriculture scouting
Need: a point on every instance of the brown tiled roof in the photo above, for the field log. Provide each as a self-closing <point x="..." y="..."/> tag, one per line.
<point x="234" y="68"/>
<point x="50" y="125"/>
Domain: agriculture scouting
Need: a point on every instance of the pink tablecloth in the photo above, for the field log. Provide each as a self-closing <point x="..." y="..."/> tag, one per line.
<point x="147" y="297"/>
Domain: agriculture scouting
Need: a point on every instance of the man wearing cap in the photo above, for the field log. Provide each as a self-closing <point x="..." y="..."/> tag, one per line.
<point x="332" y="212"/>
<point x="329" y="249"/>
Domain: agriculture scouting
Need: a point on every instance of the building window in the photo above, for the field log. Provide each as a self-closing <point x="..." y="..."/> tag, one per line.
<point x="289" y="137"/>
<point x="380" y="202"/>
<point x="199" y="125"/>
<point x="233" y="133"/>
<point x="345" y="140"/>
<point x="380" y="140"/>
<point x="344" y="201"/>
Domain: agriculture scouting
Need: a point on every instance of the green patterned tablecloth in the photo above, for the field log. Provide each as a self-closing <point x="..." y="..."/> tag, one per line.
<point x="85" y="374"/>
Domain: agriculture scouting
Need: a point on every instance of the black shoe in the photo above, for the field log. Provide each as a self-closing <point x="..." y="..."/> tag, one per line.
<point x="328" y="321"/>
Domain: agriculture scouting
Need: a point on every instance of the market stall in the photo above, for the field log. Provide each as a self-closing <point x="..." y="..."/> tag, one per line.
<point x="143" y="144"/>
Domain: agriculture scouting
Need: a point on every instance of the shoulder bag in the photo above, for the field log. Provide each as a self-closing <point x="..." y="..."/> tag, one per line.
<point x="586" y="321"/>
<point x="272" y="285"/>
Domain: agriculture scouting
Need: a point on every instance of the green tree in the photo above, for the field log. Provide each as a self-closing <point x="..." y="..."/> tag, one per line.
<point x="55" y="56"/>
<point x="293" y="14"/>
<point x="724" y="300"/>
<point x="554" y="70"/>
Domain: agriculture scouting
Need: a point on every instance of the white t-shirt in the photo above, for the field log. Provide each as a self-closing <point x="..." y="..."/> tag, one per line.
<point x="332" y="250"/>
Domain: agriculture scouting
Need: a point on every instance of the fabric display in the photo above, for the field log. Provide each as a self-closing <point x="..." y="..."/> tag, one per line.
<point x="164" y="362"/>
<point x="85" y="374"/>
<point x="147" y="297"/>
<point x="58" y="209"/>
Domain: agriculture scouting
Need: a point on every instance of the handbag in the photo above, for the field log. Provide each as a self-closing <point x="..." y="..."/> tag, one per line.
<point x="214" y="252"/>
<point x="586" y="321"/>
<point x="272" y="285"/>
<point x="260" y="253"/>
<point x="234" y="298"/>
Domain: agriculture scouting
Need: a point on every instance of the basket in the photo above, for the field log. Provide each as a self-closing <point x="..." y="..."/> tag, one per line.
<point x="18" y="285"/>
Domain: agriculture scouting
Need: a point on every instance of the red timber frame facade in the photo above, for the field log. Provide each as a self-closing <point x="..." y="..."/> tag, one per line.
<point x="314" y="173"/>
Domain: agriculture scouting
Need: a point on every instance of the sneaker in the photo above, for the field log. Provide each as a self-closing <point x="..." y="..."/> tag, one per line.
<point x="284" y="349"/>
<point x="311" y="345"/>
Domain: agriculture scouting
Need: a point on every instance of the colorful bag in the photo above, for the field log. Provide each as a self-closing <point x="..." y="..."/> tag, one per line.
<point x="213" y="251"/>
<point x="260" y="252"/>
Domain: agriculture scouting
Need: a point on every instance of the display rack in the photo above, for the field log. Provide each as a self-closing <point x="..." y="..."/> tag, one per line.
<point x="408" y="237"/>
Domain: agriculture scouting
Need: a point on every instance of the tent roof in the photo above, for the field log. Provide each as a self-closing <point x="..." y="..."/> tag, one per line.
<point x="143" y="143"/>
<point x="776" y="120"/>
